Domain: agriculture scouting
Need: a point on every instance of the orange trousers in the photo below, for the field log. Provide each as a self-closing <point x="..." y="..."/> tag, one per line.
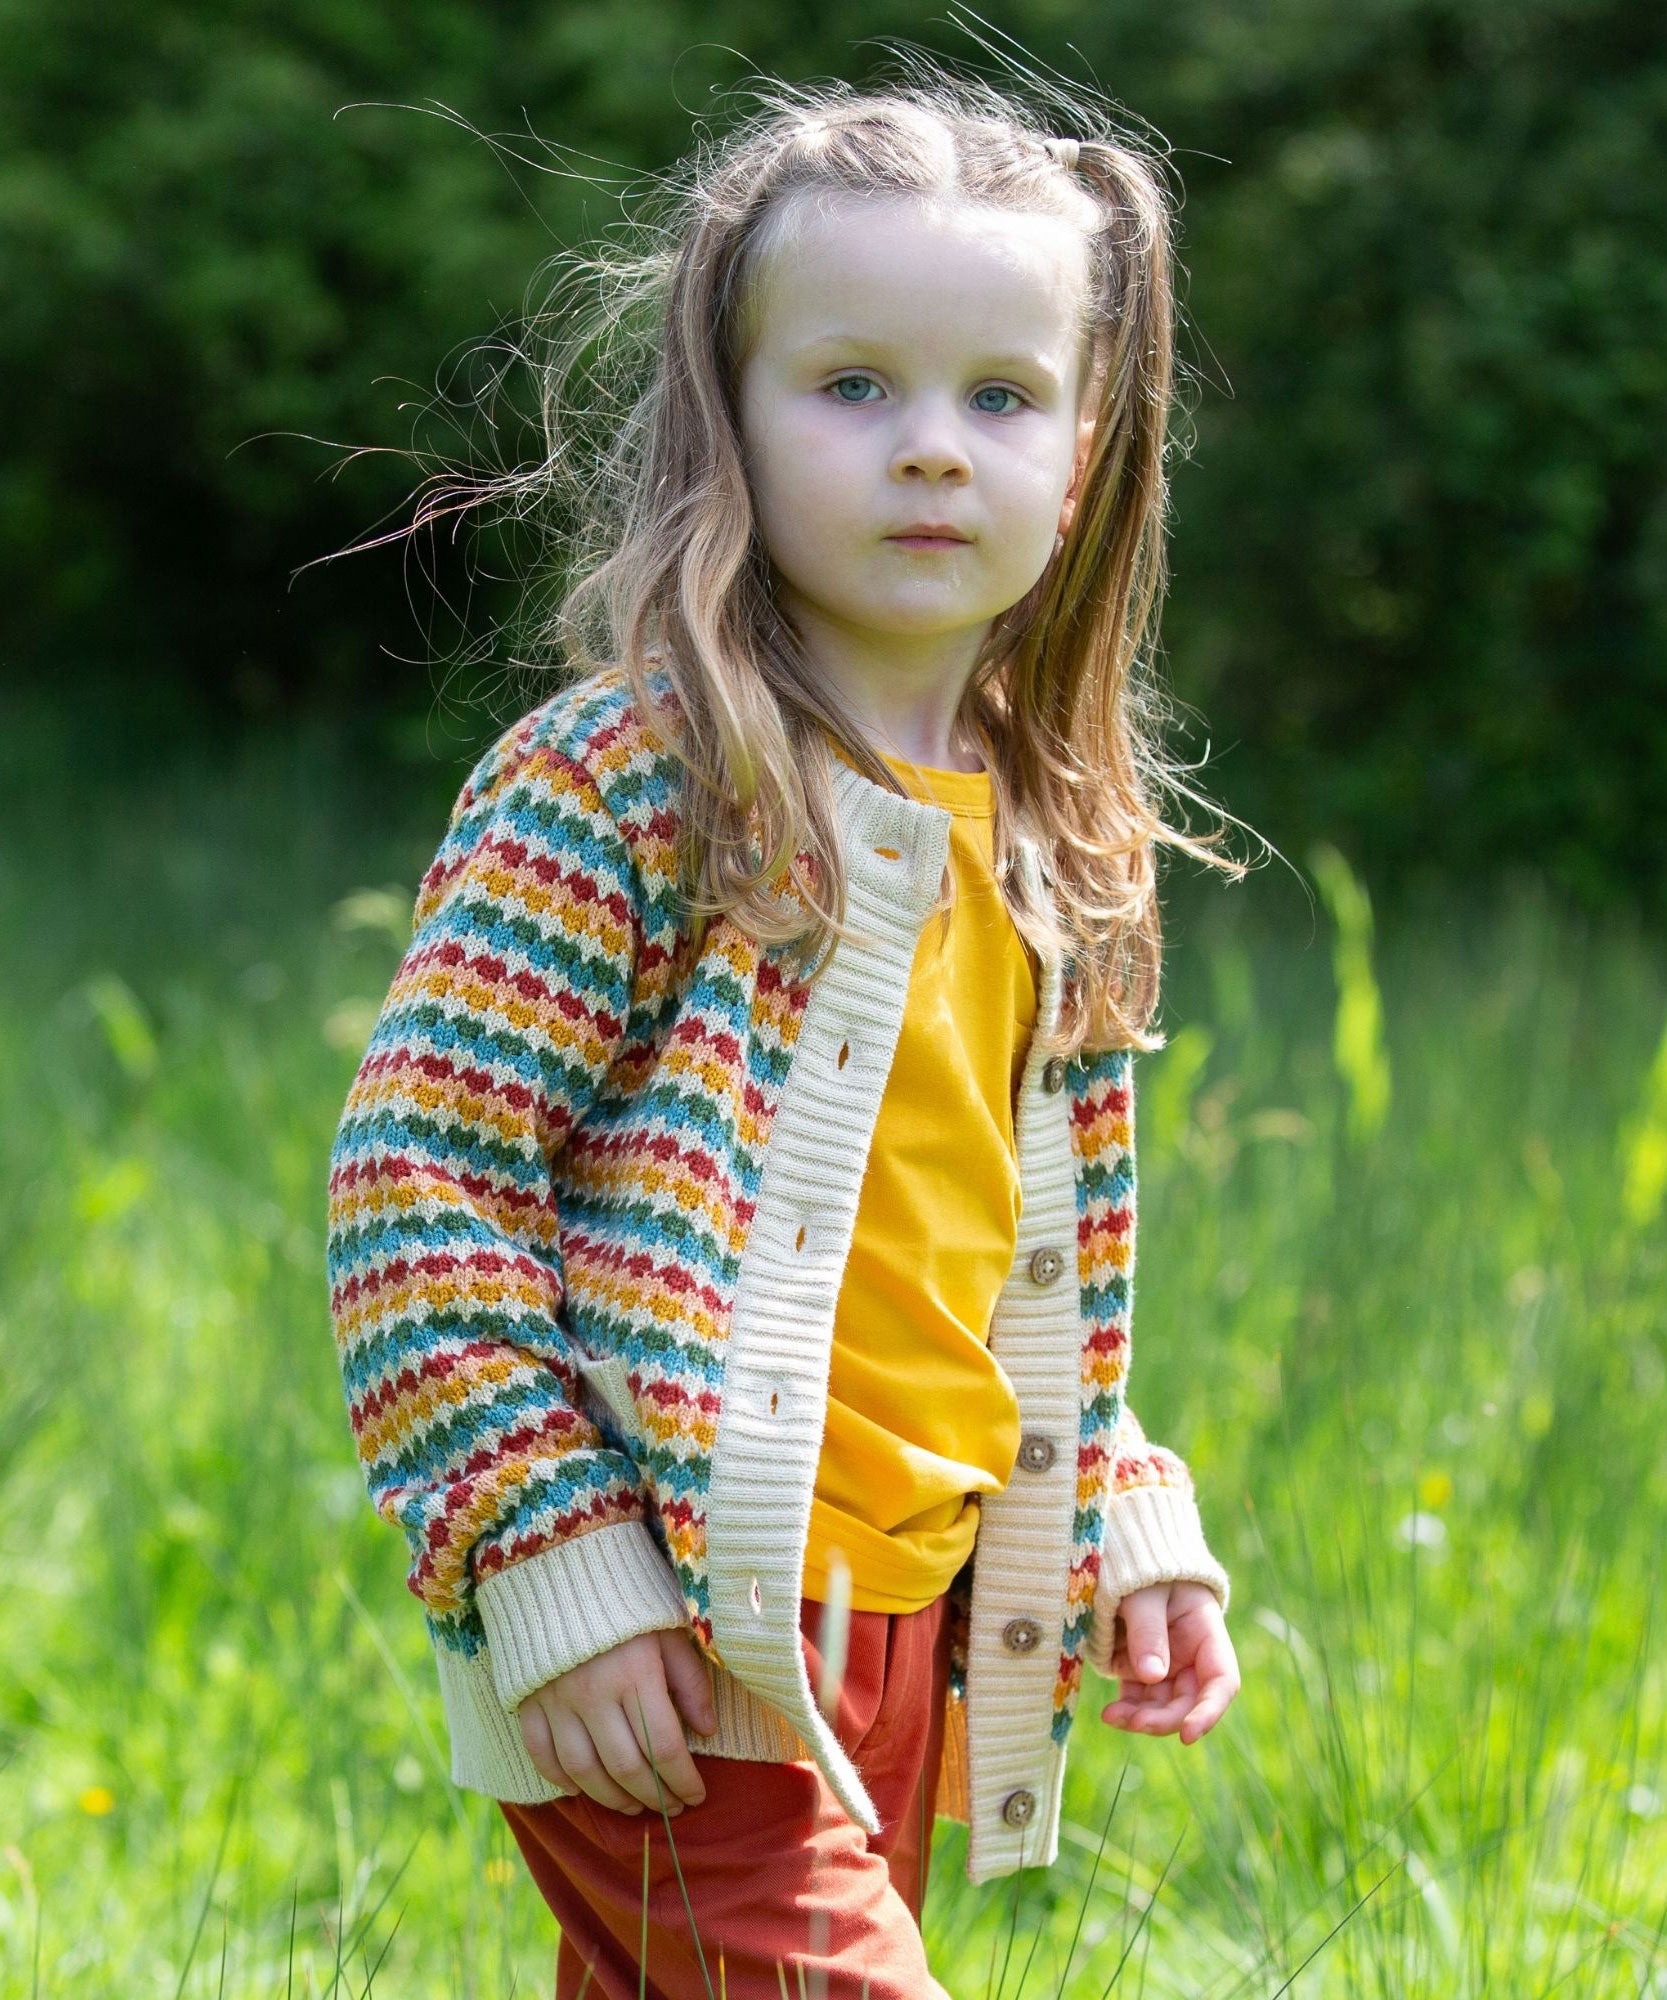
<point x="776" y="1870"/>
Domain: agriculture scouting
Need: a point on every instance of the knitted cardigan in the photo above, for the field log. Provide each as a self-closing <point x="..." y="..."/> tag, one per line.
<point x="590" y="1201"/>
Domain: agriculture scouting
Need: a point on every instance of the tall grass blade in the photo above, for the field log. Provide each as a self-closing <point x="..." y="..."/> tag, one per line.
<point x="341" y="1891"/>
<point x="1087" y="1894"/>
<point x="361" y="1928"/>
<point x="213" y="1880"/>
<point x="1357" y="1040"/>
<point x="1140" y="1925"/>
<point x="289" y="1964"/>
<point x="677" y="1865"/>
<point x="1330" y="1934"/>
<point x="1270" y="1953"/>
<point x="388" y="1945"/>
<point x="1643" y="1147"/>
<point x="1013" y="1919"/>
<point x="833" y="1633"/>
<point x="127" y="1030"/>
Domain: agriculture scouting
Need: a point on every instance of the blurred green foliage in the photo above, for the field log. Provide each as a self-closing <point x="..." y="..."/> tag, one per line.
<point x="1420" y="533"/>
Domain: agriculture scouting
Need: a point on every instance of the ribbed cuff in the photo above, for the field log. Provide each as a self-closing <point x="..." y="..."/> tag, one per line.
<point x="568" y="1603"/>
<point x="1153" y="1535"/>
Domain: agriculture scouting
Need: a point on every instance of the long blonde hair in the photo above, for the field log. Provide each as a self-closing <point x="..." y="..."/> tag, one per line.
<point x="664" y="573"/>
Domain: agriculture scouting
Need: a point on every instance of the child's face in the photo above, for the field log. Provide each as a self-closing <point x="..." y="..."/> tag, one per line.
<point x="914" y="364"/>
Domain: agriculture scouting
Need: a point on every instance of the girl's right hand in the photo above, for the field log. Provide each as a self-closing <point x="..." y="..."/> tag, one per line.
<point x="584" y="1731"/>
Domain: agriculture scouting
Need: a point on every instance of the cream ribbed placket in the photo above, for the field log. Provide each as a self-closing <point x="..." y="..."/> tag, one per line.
<point x="775" y="1391"/>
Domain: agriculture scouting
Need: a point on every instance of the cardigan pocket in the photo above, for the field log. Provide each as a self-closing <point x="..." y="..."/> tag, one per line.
<point x="609" y="1380"/>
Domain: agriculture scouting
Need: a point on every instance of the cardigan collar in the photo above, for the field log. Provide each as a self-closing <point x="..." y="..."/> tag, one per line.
<point x="901" y="844"/>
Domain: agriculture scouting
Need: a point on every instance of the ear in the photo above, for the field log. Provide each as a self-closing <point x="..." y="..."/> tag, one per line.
<point x="1079" y="465"/>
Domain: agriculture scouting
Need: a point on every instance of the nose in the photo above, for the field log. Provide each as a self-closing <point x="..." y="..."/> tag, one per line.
<point x="930" y="442"/>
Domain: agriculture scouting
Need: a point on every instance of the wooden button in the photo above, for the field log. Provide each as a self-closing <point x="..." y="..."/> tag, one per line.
<point x="1021" y="1635"/>
<point x="1036" y="1453"/>
<point x="1019" y="1809"/>
<point x="1053" y="1073"/>
<point x="1045" y="1265"/>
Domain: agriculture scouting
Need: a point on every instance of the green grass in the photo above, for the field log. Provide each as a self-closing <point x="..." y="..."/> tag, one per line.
<point x="1411" y="1343"/>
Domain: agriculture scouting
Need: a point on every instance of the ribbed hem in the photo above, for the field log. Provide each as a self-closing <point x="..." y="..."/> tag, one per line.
<point x="568" y="1603"/>
<point x="1153" y="1535"/>
<point x="487" y="1754"/>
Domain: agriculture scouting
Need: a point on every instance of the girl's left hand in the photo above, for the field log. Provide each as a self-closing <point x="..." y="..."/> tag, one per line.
<point x="1174" y="1663"/>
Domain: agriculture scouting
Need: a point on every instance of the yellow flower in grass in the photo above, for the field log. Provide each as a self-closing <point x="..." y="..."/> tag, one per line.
<point x="1435" y="1489"/>
<point x="97" y="1800"/>
<point x="500" y="1871"/>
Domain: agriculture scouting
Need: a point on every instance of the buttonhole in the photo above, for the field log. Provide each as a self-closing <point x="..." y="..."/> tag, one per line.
<point x="774" y="1400"/>
<point x="755" y="1596"/>
<point x="844" y="1053"/>
<point x="890" y="853"/>
<point x="799" y="1240"/>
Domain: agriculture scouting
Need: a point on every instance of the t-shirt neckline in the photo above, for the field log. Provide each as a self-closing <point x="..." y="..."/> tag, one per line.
<point x="967" y="794"/>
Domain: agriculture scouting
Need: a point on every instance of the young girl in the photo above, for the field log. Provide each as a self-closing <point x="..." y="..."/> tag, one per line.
<point x="735" y="1205"/>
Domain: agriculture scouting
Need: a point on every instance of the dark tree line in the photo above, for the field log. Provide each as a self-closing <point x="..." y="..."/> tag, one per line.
<point x="1420" y="548"/>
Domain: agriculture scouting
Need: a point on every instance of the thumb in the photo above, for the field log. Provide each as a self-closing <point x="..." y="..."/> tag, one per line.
<point x="1146" y="1622"/>
<point x="688" y="1680"/>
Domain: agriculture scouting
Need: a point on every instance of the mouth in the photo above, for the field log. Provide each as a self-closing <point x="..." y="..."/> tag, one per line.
<point x="928" y="538"/>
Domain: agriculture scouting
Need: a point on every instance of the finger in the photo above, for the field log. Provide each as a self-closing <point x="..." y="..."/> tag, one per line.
<point x="1146" y="1622"/>
<point x="1154" y="1710"/>
<point x="1218" y="1690"/>
<point x="1159" y="1718"/>
<point x="1214" y="1654"/>
<point x="1154" y="1694"/>
<point x="540" y="1745"/>
<point x="1137" y="1699"/>
<point x="622" y="1757"/>
<point x="688" y="1681"/>
<point x="578" y="1752"/>
<point x="1201" y="1719"/>
<point x="1125" y="1669"/>
<point x="659" y="1736"/>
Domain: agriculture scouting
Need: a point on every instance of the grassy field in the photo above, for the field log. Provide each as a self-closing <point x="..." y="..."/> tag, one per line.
<point x="1400" y="1302"/>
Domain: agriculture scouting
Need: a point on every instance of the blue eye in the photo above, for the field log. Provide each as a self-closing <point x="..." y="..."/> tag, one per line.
<point x="839" y="383"/>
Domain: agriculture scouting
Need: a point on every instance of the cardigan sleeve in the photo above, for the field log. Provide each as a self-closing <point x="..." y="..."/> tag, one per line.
<point x="443" y="1235"/>
<point x="1153" y="1533"/>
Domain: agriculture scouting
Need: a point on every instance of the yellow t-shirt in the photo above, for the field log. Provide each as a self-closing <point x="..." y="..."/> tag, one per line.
<point x="921" y="1417"/>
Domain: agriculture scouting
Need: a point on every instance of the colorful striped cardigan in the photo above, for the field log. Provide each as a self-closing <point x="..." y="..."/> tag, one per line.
<point x="590" y="1199"/>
